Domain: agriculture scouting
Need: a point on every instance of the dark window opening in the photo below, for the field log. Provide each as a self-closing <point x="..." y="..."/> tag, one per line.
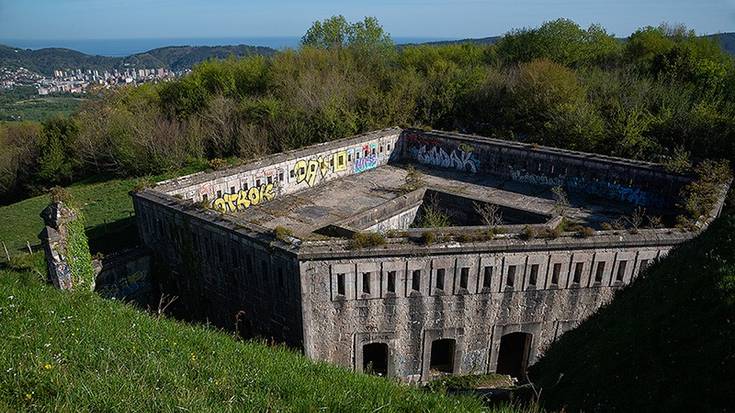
<point x="204" y="197"/>
<point x="381" y="148"/>
<point x="349" y="157"/>
<point x="270" y="180"/>
<point x="578" y="273"/>
<point x="440" y="279"/>
<point x="257" y="183"/>
<point x="644" y="265"/>
<point x="621" y="270"/>
<point x="292" y="174"/>
<point x="280" y="177"/>
<point x="599" y="272"/>
<point x="416" y="280"/>
<point x="391" y="281"/>
<point x="389" y="147"/>
<point x="340" y="284"/>
<point x="533" y="277"/>
<point x="373" y="151"/>
<point x="513" y="355"/>
<point x="464" y="277"/>
<point x="487" y="277"/>
<point x="219" y="194"/>
<point x="375" y="359"/>
<point x="245" y="186"/>
<point x="232" y="189"/>
<point x="511" y="279"/>
<point x="442" y="356"/>
<point x="555" y="274"/>
<point x="366" y="283"/>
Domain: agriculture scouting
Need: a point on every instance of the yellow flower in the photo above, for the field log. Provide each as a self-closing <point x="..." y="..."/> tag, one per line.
<point x="193" y="357"/>
<point x="48" y="366"/>
<point x="29" y="396"/>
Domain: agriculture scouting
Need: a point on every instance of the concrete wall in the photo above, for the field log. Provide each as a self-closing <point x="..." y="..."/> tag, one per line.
<point x="616" y="179"/>
<point x="127" y="276"/>
<point x="220" y="274"/>
<point x="285" y="173"/>
<point x="336" y="327"/>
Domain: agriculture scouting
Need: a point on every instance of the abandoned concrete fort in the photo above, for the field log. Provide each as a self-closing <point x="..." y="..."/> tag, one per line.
<point x="269" y="248"/>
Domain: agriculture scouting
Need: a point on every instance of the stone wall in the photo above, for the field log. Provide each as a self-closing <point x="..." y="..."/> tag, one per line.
<point x="337" y="326"/>
<point x="126" y="276"/>
<point x="616" y="179"/>
<point x="220" y="273"/>
<point x="288" y="172"/>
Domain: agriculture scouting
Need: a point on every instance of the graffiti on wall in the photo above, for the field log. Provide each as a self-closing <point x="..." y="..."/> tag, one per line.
<point x="436" y="156"/>
<point x="604" y="189"/>
<point x="311" y="170"/>
<point x="244" y="199"/>
<point x="366" y="163"/>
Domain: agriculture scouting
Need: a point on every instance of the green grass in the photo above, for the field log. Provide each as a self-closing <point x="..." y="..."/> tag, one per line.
<point x="62" y="351"/>
<point x="665" y="343"/>
<point x="107" y="207"/>
<point x="25" y="104"/>
<point x="101" y="202"/>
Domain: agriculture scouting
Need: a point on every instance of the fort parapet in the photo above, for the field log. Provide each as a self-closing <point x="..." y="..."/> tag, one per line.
<point x="269" y="248"/>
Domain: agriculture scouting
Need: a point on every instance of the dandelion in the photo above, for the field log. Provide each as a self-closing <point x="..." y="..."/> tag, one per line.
<point x="193" y="357"/>
<point x="29" y="396"/>
<point x="48" y="366"/>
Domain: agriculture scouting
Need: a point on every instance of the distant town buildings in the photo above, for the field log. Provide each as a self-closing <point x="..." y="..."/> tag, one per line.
<point x="79" y="81"/>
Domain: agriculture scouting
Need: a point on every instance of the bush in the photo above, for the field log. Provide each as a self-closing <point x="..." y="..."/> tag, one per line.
<point x="366" y="240"/>
<point x="527" y="233"/>
<point x="282" y="233"/>
<point x="585" y="232"/>
<point x="428" y="237"/>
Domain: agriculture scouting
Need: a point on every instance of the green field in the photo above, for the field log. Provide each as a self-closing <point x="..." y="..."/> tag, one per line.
<point x="23" y="103"/>
<point x="103" y="203"/>
<point x="106" y="204"/>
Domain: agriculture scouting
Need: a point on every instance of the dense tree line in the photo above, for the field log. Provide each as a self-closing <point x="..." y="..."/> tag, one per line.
<point x="664" y="95"/>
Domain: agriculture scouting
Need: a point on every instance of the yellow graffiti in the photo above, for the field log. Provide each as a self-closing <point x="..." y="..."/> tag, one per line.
<point x="309" y="171"/>
<point x="244" y="199"/>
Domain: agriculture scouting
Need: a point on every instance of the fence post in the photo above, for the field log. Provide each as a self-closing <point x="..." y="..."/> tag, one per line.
<point x="6" y="251"/>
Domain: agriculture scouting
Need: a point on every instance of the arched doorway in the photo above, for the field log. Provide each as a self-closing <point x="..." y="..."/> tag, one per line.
<point x="375" y="359"/>
<point x="442" y="356"/>
<point x="515" y="349"/>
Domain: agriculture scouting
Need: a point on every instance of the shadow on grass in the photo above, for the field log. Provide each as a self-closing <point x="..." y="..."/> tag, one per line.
<point x="113" y="236"/>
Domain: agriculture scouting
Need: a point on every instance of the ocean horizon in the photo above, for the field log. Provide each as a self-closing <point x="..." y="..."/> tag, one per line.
<point x="126" y="47"/>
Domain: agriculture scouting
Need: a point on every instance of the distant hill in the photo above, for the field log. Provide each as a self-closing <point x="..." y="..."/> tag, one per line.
<point x="482" y="40"/>
<point x="727" y="41"/>
<point x="45" y="61"/>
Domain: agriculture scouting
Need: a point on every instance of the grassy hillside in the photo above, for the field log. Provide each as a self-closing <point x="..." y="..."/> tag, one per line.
<point x="106" y="205"/>
<point x="666" y="343"/>
<point x="75" y="351"/>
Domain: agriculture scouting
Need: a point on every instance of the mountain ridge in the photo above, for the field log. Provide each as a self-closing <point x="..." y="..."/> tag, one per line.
<point x="176" y="58"/>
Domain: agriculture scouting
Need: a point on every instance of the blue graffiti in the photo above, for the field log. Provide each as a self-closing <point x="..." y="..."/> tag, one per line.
<point x="604" y="189"/>
<point x="366" y="163"/>
<point x="437" y="156"/>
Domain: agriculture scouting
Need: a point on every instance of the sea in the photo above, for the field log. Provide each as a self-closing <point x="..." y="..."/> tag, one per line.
<point x="126" y="47"/>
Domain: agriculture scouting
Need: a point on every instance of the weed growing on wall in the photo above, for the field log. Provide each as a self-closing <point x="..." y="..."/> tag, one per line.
<point x="77" y="248"/>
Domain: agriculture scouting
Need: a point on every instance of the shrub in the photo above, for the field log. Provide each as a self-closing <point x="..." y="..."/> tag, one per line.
<point x="282" y="233"/>
<point x="428" y="237"/>
<point x="366" y="240"/>
<point x="585" y="232"/>
<point x="528" y="233"/>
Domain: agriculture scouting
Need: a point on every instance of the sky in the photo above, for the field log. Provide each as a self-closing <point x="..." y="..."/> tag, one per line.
<point x="128" y="19"/>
